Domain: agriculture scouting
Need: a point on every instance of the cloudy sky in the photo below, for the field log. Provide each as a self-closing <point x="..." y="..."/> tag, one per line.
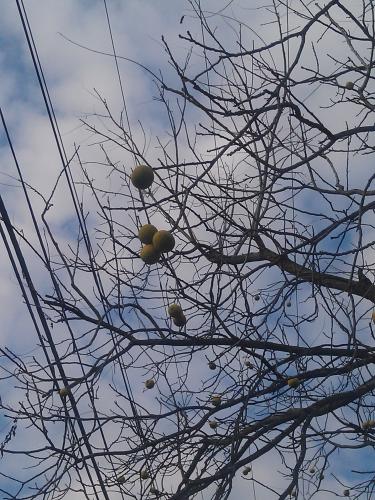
<point x="74" y="46"/>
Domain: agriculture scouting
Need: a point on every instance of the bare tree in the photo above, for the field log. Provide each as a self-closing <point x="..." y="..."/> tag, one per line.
<point x="264" y="178"/>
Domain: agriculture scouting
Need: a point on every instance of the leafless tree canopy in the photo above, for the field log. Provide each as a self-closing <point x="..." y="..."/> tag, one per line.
<point x="263" y="174"/>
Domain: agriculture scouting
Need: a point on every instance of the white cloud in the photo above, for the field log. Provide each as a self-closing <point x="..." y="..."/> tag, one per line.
<point x="72" y="74"/>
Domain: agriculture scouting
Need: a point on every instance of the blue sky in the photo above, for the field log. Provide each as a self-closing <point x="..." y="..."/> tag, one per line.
<point x="72" y="74"/>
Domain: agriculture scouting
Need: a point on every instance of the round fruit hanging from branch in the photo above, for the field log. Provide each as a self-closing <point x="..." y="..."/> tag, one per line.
<point x="163" y="241"/>
<point x="146" y="233"/>
<point x="149" y="255"/>
<point x="142" y="177"/>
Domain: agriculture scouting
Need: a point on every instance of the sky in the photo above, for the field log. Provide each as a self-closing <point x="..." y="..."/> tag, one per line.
<point x="74" y="43"/>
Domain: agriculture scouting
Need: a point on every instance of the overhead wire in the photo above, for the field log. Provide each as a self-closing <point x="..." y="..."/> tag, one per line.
<point x="127" y="384"/>
<point x="22" y="262"/>
<point x="31" y="44"/>
<point x="54" y="125"/>
<point x="72" y="189"/>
